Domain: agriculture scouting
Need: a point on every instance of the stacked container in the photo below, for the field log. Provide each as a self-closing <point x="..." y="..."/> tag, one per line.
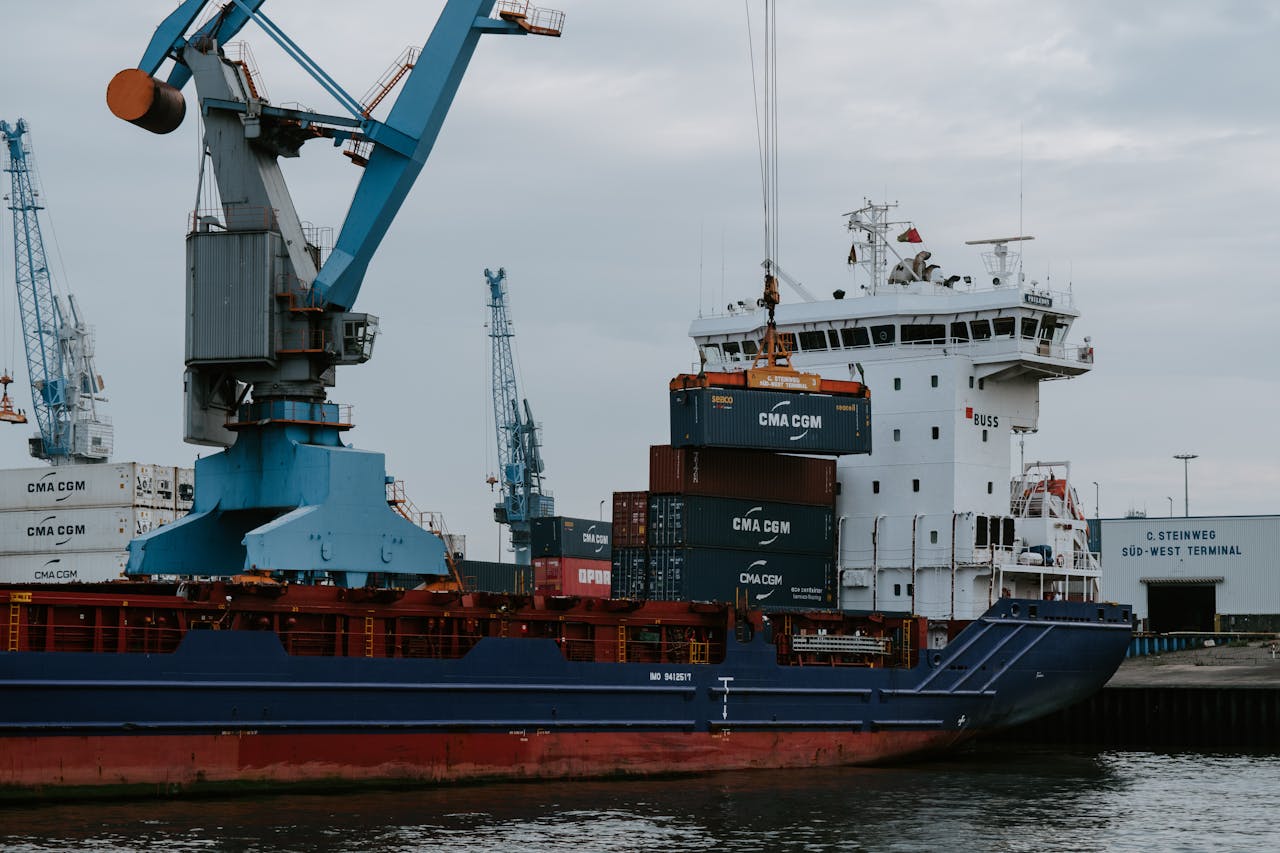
<point x="572" y="556"/>
<point x="74" y="522"/>
<point x="728" y="525"/>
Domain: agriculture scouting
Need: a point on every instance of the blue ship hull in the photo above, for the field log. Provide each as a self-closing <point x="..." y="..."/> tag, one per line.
<point x="232" y="707"/>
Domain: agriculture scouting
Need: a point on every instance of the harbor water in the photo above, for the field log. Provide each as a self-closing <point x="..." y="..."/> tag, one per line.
<point x="997" y="798"/>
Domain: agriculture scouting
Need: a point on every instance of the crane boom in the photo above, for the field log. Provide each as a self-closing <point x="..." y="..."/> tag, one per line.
<point x="519" y="443"/>
<point x="65" y="386"/>
<point x="269" y="317"/>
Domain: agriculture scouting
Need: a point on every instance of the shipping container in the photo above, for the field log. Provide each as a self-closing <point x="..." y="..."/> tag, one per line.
<point x="74" y="566"/>
<point x="573" y="576"/>
<point x="630" y="573"/>
<point x="488" y="576"/>
<point x="186" y="489"/>
<point x="712" y="574"/>
<point x="79" y="486"/>
<point x="630" y="519"/>
<point x="53" y="532"/>
<point x="786" y="421"/>
<point x="749" y="474"/>
<point x="559" y="536"/>
<point x="763" y="526"/>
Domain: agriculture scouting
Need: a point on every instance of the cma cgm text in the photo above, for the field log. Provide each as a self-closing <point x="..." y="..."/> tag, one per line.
<point x="58" y="486"/>
<point x="781" y="419"/>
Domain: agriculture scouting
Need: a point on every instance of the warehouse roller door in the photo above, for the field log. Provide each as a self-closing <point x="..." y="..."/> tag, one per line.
<point x="1183" y="605"/>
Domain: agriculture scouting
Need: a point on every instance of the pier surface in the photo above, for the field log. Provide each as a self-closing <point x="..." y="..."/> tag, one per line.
<point x="1252" y="665"/>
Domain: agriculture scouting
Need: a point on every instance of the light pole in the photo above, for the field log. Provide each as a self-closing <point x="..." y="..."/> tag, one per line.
<point x="1097" y="513"/>
<point x="1186" y="495"/>
<point x="602" y="500"/>
<point x="1170" y="500"/>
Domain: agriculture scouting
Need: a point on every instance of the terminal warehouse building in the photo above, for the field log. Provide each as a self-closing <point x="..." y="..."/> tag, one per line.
<point x="1217" y="573"/>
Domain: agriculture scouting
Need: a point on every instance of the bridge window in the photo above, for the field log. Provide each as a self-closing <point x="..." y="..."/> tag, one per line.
<point x="981" y="329"/>
<point x="731" y="349"/>
<point x="749" y="347"/>
<point x="813" y="341"/>
<point x="1029" y="327"/>
<point x="924" y="333"/>
<point x="883" y="335"/>
<point x="1052" y="330"/>
<point x="855" y="337"/>
<point x="835" y="338"/>
<point x="959" y="331"/>
<point x="1004" y="327"/>
<point x="711" y="352"/>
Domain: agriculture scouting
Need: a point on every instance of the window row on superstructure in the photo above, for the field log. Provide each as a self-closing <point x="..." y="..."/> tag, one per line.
<point x="1046" y="329"/>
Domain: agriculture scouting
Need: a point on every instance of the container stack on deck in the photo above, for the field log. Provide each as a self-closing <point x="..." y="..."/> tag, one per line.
<point x="74" y="522"/>
<point x="571" y="556"/>
<point x="729" y="518"/>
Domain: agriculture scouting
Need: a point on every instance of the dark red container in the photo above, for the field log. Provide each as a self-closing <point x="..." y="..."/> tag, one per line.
<point x="750" y="474"/>
<point x="630" y="519"/>
<point x="572" y="576"/>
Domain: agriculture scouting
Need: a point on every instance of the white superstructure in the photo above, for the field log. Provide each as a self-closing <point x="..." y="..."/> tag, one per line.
<point x="933" y="520"/>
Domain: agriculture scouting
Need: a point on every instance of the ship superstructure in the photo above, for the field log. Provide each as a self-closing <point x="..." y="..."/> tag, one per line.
<point x="933" y="521"/>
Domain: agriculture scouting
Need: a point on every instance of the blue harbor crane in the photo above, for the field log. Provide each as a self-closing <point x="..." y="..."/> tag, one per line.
<point x="519" y="445"/>
<point x="269" y="311"/>
<point x="65" y="386"/>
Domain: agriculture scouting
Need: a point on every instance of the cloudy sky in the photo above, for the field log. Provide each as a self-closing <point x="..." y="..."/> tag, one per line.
<point x="614" y="173"/>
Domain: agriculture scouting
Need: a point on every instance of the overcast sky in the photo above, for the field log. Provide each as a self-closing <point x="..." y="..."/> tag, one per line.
<point x="614" y="173"/>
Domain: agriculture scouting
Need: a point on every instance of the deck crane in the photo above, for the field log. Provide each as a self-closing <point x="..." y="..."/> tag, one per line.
<point x="270" y="317"/>
<point x="800" y="289"/>
<point x="519" y="446"/>
<point x="65" y="386"/>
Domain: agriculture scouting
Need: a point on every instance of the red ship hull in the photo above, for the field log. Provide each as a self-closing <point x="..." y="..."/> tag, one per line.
<point x="173" y="763"/>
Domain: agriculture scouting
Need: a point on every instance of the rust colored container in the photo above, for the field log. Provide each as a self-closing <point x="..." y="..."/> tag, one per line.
<point x="573" y="576"/>
<point x="630" y="519"/>
<point x="750" y="474"/>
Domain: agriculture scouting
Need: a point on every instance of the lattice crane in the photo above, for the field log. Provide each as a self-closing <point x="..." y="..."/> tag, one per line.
<point x="65" y="386"/>
<point x="519" y="443"/>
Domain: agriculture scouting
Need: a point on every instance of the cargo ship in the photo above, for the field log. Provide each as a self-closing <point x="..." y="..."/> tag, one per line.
<point x="292" y="628"/>
<point x="730" y="643"/>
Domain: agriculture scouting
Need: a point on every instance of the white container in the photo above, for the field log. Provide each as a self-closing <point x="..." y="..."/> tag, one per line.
<point x="83" y="566"/>
<point x="75" y="486"/>
<point x="186" y="489"/>
<point x="57" y="531"/>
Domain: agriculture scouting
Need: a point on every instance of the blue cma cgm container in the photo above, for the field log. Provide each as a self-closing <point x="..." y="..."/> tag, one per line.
<point x="559" y="536"/>
<point x="762" y="526"/>
<point x="710" y="574"/>
<point x="785" y="421"/>
<point x="630" y="577"/>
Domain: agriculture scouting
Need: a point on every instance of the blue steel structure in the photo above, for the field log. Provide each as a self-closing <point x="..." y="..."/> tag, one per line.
<point x="519" y="446"/>
<point x="64" y="384"/>
<point x="268" y="321"/>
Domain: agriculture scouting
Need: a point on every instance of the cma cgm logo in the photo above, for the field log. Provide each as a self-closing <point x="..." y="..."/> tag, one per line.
<point x="590" y="537"/>
<point x="790" y="420"/>
<point x="754" y="575"/>
<point x="63" y="488"/>
<point x="47" y="527"/>
<point x="752" y="523"/>
<point x="981" y="419"/>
